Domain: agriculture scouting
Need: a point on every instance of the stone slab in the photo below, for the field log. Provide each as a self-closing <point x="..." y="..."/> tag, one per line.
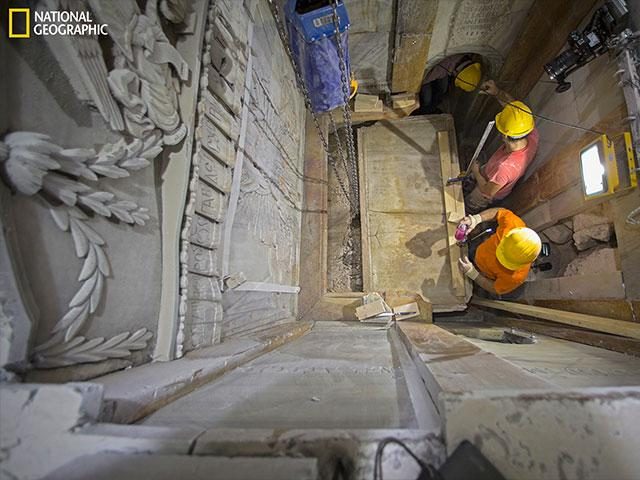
<point x="357" y="447"/>
<point x="580" y="433"/>
<point x="404" y="231"/>
<point x="326" y="379"/>
<point x="107" y="466"/>
<point x="132" y="394"/>
<point x="34" y="441"/>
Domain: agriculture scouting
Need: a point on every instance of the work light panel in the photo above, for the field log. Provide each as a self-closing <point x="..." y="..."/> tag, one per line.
<point x="593" y="171"/>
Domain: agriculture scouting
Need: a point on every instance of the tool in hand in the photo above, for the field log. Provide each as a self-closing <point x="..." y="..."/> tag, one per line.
<point x="467" y="172"/>
<point x="466" y="239"/>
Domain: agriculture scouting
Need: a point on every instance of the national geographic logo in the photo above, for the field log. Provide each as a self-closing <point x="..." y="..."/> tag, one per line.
<point x="19" y="23"/>
<point x="52" y="22"/>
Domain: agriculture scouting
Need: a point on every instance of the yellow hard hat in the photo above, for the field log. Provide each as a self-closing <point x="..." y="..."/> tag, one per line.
<point x="518" y="248"/>
<point x="515" y="120"/>
<point x="469" y="77"/>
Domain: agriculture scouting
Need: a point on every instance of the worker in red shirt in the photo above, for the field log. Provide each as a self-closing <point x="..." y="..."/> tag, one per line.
<point x="502" y="262"/>
<point x="496" y="179"/>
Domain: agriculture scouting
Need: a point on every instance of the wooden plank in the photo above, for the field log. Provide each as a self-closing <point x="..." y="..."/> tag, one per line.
<point x="364" y="217"/>
<point x="372" y="309"/>
<point x="368" y="103"/>
<point x="414" y="25"/>
<point x="629" y="346"/>
<point x="409" y="62"/>
<point x="607" y="285"/>
<point x="592" y="322"/>
<point x="616" y="309"/>
<point x="313" y="244"/>
<point x="452" y="194"/>
<point x="451" y="364"/>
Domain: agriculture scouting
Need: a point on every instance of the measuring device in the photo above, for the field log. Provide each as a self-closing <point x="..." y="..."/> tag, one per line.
<point x="467" y="172"/>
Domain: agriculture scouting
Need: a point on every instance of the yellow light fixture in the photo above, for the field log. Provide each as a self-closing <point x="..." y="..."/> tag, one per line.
<point x="604" y="172"/>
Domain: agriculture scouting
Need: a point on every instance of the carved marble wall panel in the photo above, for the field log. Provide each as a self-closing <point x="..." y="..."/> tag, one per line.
<point x="204" y="232"/>
<point x="210" y="202"/>
<point x="218" y="114"/>
<point x="98" y="299"/>
<point x="203" y="261"/>
<point x="214" y="172"/>
<point x="204" y="288"/>
<point x="219" y="104"/>
<point x="216" y="142"/>
<point x="219" y="87"/>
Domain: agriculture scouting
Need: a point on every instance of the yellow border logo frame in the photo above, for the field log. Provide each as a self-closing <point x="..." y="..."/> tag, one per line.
<point x="27" y="33"/>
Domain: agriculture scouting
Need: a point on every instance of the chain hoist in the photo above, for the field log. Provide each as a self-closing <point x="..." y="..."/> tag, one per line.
<point x="349" y="160"/>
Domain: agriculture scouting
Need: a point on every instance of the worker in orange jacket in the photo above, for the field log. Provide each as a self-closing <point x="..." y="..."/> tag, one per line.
<point x="502" y="262"/>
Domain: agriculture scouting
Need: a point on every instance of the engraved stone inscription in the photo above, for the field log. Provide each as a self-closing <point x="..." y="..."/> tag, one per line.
<point x="204" y="232"/>
<point x="203" y="261"/>
<point x="216" y="142"/>
<point x="214" y="172"/>
<point x="210" y="202"/>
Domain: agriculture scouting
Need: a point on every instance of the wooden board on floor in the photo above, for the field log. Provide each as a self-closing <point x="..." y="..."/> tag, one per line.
<point x="454" y="207"/>
<point x="404" y="229"/>
<point x="592" y="322"/>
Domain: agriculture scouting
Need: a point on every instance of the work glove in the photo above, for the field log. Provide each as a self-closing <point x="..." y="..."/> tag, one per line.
<point x="472" y="221"/>
<point x="467" y="268"/>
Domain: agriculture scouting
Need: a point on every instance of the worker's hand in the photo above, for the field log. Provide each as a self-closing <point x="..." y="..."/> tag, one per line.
<point x="466" y="267"/>
<point x="475" y="169"/>
<point x="471" y="220"/>
<point x="489" y="88"/>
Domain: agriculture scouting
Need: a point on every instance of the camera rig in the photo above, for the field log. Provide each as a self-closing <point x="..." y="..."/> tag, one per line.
<point x="605" y="31"/>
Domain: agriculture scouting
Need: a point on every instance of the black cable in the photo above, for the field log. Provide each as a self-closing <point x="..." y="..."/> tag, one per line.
<point x="535" y="115"/>
<point x="377" y="465"/>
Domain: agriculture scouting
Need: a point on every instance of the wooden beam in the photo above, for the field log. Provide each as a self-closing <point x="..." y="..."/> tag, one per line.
<point x="592" y="322"/>
<point x="364" y="217"/>
<point x="453" y="204"/>
<point x="414" y="25"/>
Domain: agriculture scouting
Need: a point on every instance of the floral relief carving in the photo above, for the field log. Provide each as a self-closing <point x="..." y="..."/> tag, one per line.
<point x="143" y="87"/>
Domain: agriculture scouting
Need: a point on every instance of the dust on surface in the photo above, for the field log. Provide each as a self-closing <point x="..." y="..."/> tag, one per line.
<point x="344" y="246"/>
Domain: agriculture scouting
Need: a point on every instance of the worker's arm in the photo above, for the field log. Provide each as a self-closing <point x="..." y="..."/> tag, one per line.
<point x="484" y="216"/>
<point x="470" y="271"/>
<point x="489" y="87"/>
<point x="488" y="188"/>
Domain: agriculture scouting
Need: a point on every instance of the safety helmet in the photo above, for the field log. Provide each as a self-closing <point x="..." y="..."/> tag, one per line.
<point x="515" y="120"/>
<point x="469" y="77"/>
<point x="518" y="248"/>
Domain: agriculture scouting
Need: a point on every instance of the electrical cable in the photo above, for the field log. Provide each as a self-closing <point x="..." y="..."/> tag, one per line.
<point x="377" y="465"/>
<point x="535" y="115"/>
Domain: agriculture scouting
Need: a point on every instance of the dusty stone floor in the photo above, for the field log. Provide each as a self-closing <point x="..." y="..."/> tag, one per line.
<point x="344" y="254"/>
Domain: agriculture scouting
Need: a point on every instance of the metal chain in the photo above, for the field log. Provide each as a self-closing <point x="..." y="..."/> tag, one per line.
<point x="307" y="101"/>
<point x="353" y="169"/>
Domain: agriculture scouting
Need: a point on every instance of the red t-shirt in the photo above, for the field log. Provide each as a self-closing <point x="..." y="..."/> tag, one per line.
<point x="505" y="168"/>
